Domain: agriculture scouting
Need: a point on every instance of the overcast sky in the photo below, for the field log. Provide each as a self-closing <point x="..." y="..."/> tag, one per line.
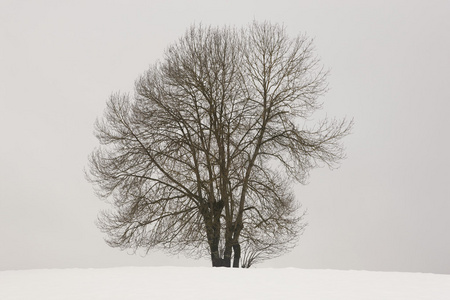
<point x="386" y="208"/>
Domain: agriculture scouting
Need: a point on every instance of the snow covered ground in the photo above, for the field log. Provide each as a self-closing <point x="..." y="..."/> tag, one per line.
<point x="212" y="283"/>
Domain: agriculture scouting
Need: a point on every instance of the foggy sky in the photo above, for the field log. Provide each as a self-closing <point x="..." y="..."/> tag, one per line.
<point x="385" y="209"/>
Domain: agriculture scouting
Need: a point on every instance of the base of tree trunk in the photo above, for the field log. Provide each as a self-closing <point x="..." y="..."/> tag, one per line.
<point x="237" y="255"/>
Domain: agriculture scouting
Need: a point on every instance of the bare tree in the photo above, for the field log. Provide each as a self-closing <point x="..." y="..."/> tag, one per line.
<point x="202" y="157"/>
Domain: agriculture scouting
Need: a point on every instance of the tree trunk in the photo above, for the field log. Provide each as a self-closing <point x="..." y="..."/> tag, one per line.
<point x="216" y="260"/>
<point x="228" y="244"/>
<point x="227" y="257"/>
<point x="237" y="255"/>
<point x="214" y="239"/>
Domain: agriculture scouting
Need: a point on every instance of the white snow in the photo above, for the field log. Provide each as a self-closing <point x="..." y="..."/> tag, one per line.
<point x="219" y="283"/>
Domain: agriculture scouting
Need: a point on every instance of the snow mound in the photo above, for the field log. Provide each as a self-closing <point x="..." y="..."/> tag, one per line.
<point x="219" y="283"/>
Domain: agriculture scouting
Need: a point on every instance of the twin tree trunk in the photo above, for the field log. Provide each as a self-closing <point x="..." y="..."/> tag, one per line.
<point x="213" y="227"/>
<point x="218" y="261"/>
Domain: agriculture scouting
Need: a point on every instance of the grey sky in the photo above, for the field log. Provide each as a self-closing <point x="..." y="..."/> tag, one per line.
<point x="387" y="208"/>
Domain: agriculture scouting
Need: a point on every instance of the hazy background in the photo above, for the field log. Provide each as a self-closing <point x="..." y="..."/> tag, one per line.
<point x="387" y="208"/>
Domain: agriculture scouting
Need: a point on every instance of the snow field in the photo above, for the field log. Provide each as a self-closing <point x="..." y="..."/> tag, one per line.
<point x="137" y="283"/>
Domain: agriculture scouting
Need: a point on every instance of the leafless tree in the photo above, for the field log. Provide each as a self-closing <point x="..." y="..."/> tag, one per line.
<point x="201" y="159"/>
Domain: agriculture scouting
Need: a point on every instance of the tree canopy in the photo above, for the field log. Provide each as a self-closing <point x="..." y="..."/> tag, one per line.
<point x="202" y="158"/>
